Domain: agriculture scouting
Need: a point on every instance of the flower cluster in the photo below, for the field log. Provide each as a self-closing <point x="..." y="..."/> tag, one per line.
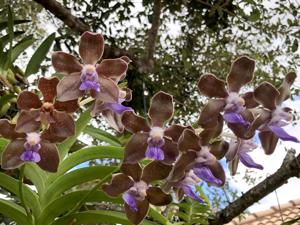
<point x="180" y="156"/>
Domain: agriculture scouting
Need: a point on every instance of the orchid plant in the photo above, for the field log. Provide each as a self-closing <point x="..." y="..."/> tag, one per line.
<point x="161" y="158"/>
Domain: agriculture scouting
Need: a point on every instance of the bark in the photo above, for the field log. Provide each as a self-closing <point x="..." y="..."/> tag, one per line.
<point x="289" y="168"/>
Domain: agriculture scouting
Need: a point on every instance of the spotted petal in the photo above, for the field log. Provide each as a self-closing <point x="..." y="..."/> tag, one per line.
<point x="135" y="148"/>
<point x="11" y="155"/>
<point x="68" y="88"/>
<point x="210" y="86"/>
<point x="266" y="94"/>
<point x="28" y="100"/>
<point x="49" y="157"/>
<point x="65" y="63"/>
<point x="161" y="108"/>
<point x="241" y="73"/>
<point x="119" y="184"/>
<point x="67" y="106"/>
<point x="157" y="197"/>
<point x="91" y="47"/>
<point x="48" y="88"/>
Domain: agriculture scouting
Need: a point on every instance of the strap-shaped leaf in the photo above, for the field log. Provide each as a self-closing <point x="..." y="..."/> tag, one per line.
<point x="4" y="24"/>
<point x="67" y="202"/>
<point x="39" y="55"/>
<point x="13" y="211"/>
<point x="94" y="216"/>
<point x="84" y="155"/>
<point x="30" y="197"/>
<point x="102" y="135"/>
<point x="21" y="46"/>
<point x="73" y="178"/>
<point x="37" y="176"/>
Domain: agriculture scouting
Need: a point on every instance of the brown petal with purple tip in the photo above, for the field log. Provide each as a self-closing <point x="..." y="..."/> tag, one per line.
<point x="109" y="91"/>
<point x="132" y="170"/>
<point x="65" y="63"/>
<point x="7" y="130"/>
<point x="175" y="131"/>
<point x="68" y="88"/>
<point x="49" y="157"/>
<point x="285" y="87"/>
<point x="161" y="108"/>
<point x="28" y="121"/>
<point x="241" y="73"/>
<point x="63" y="125"/>
<point x="157" y="197"/>
<point x="240" y="130"/>
<point x="134" y="123"/>
<point x="233" y="165"/>
<point x="188" y="141"/>
<point x="211" y="86"/>
<point x="91" y="47"/>
<point x="28" y="100"/>
<point x="155" y="171"/>
<point x="11" y="155"/>
<point x="211" y="112"/>
<point x="135" y="148"/>
<point x="119" y="184"/>
<point x="48" y="88"/>
<point x="218" y="171"/>
<point x="250" y="101"/>
<point x="136" y="217"/>
<point x="170" y="151"/>
<point x="112" y="68"/>
<point x="184" y="161"/>
<point x="268" y="141"/>
<point x="219" y="149"/>
<point x="67" y="106"/>
<point x="266" y="94"/>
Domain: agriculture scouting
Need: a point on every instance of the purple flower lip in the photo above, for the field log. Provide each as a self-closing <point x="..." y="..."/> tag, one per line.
<point x="31" y="146"/>
<point x="232" y="117"/>
<point x="130" y="200"/>
<point x="282" y="134"/>
<point x="204" y="173"/>
<point x="89" y="79"/>
<point x="136" y="193"/>
<point x="154" y="150"/>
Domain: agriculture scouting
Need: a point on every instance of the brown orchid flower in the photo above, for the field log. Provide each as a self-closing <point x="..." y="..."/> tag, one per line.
<point x="98" y="79"/>
<point x="134" y="183"/>
<point x="29" y="147"/>
<point x="228" y="100"/>
<point x="199" y="157"/>
<point x="270" y="119"/>
<point x="50" y="112"/>
<point x="153" y="141"/>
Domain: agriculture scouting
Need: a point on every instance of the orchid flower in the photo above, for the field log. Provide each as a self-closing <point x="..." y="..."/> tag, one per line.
<point x="134" y="183"/>
<point x="228" y="100"/>
<point x="239" y="151"/>
<point x="151" y="141"/>
<point x="112" y="112"/>
<point x="34" y="112"/>
<point x="200" y="158"/>
<point x="92" y="77"/>
<point x="272" y="117"/>
<point x="29" y="147"/>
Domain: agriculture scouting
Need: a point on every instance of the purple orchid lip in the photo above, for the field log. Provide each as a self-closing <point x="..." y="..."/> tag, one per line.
<point x="282" y="134"/>
<point x="89" y="79"/>
<point x="249" y="162"/>
<point x="190" y="191"/>
<point x="31" y="148"/>
<point x="154" y="150"/>
<point x="232" y="117"/>
<point x="130" y="200"/>
<point x="117" y="107"/>
<point x="204" y="173"/>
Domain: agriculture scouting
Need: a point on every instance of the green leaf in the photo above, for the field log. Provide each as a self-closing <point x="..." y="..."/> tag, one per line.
<point x="157" y="216"/>
<point x="67" y="202"/>
<point x="20" y="47"/>
<point x="102" y="135"/>
<point x="39" y="55"/>
<point x="73" y="178"/>
<point x="13" y="211"/>
<point x="30" y="198"/>
<point x="10" y="30"/>
<point x="254" y="15"/>
<point x="6" y="98"/>
<point x="94" y="216"/>
<point x="5" y="39"/>
<point x="295" y="45"/>
<point x="290" y="222"/>
<point x="37" y="176"/>
<point x="3" y="143"/>
<point x="81" y="123"/>
<point x="4" y="24"/>
<point x="86" y="154"/>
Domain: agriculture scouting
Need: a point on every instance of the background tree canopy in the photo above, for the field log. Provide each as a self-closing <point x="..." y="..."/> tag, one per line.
<point x="172" y="43"/>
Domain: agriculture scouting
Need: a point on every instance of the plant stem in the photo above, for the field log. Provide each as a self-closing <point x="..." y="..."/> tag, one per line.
<point x="21" y="181"/>
<point x="82" y="201"/>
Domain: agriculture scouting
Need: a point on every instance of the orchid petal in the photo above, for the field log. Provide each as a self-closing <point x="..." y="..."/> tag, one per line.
<point x="205" y="174"/>
<point x="249" y="162"/>
<point x="155" y="171"/>
<point x="136" y="217"/>
<point x="130" y="200"/>
<point x="157" y="197"/>
<point x="119" y="184"/>
<point x="266" y="94"/>
<point x="28" y="100"/>
<point x="91" y="47"/>
<point x="282" y="134"/>
<point x="191" y="192"/>
<point x="268" y="141"/>
<point x="68" y="88"/>
<point x="210" y="86"/>
<point x="135" y="148"/>
<point x="65" y="63"/>
<point x="112" y="68"/>
<point x="48" y="88"/>
<point x="11" y="155"/>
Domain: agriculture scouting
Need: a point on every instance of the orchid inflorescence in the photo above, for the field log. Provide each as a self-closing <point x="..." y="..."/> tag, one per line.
<point x="181" y="156"/>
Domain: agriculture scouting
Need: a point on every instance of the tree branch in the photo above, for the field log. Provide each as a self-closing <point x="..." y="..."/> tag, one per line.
<point x="64" y="15"/>
<point x="289" y="168"/>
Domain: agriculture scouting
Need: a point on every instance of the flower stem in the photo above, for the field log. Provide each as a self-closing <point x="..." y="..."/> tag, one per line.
<point x="82" y="201"/>
<point x="21" y="181"/>
<point x="86" y="101"/>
